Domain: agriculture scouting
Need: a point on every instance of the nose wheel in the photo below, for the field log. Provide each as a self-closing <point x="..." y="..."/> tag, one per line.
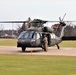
<point x="23" y="49"/>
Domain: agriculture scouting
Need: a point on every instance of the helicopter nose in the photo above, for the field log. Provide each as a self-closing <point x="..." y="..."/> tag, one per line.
<point x="32" y="42"/>
<point x="23" y="42"/>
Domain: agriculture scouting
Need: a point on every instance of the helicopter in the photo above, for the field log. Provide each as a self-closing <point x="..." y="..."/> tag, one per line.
<point x="34" y="32"/>
<point x="34" y="35"/>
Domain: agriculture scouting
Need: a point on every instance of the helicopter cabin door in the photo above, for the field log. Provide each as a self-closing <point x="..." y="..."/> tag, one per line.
<point x="49" y="39"/>
<point x="38" y="41"/>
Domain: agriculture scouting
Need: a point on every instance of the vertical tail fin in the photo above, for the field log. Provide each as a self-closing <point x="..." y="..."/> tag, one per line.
<point x="62" y="33"/>
<point x="59" y="30"/>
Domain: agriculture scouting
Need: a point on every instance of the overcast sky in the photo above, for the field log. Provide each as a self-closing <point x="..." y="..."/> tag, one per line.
<point x="42" y="9"/>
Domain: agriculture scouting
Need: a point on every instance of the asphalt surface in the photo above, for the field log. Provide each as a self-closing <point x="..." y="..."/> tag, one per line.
<point x="38" y="51"/>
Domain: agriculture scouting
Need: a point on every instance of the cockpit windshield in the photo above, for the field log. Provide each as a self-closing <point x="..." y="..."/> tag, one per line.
<point x="29" y="35"/>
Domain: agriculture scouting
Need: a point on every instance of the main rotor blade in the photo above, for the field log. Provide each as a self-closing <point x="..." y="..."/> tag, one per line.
<point x="26" y="21"/>
<point x="59" y="21"/>
<point x="13" y="21"/>
<point x="31" y="21"/>
<point x="69" y="21"/>
<point x="53" y="21"/>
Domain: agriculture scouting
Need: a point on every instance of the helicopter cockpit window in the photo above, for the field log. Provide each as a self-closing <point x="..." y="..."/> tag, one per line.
<point x="21" y="35"/>
<point x="29" y="35"/>
<point x="38" y="36"/>
<point x="26" y="35"/>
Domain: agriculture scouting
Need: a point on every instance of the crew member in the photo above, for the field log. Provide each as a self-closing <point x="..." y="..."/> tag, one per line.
<point x="45" y="43"/>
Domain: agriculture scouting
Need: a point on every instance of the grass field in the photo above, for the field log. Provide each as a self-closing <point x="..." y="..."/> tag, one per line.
<point x="37" y="65"/>
<point x="68" y="44"/>
<point x="8" y="42"/>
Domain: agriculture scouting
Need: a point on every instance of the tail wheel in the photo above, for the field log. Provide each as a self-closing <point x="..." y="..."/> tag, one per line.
<point x="58" y="46"/>
<point x="23" y="49"/>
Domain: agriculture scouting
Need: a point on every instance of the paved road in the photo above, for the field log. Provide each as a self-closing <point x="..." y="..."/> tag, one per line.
<point x="38" y="51"/>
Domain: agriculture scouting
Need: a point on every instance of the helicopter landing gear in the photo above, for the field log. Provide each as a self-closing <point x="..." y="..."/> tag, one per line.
<point x="57" y="46"/>
<point x="23" y="49"/>
<point x="44" y="48"/>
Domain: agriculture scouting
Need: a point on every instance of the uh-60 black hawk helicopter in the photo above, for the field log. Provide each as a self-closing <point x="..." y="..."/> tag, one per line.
<point x="35" y="31"/>
<point x="34" y="34"/>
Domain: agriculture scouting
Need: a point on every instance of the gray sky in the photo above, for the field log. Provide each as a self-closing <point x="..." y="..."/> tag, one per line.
<point x="42" y="9"/>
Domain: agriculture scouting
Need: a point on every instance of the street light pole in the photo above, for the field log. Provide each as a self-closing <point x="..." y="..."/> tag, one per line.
<point x="12" y="29"/>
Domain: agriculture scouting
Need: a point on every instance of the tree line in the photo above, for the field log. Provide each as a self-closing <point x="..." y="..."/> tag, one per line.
<point x="70" y="30"/>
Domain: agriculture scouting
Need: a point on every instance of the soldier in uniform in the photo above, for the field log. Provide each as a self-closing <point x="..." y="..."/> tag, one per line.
<point x="45" y="43"/>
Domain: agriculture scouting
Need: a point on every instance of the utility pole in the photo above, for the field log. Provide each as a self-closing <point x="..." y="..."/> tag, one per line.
<point x="12" y="29"/>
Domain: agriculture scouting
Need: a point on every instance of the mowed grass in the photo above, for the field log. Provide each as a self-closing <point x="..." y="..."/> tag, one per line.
<point x="8" y="42"/>
<point x="37" y="65"/>
<point x="71" y="44"/>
